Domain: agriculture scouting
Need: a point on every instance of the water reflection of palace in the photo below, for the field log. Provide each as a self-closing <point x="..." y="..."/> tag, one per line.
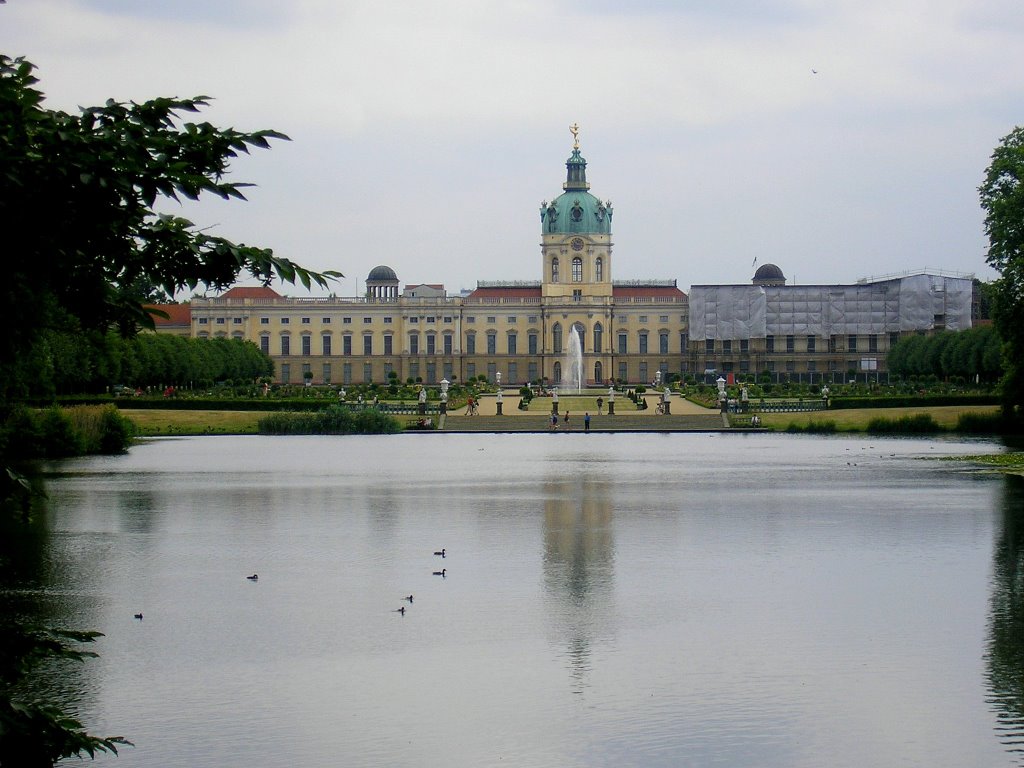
<point x="579" y="560"/>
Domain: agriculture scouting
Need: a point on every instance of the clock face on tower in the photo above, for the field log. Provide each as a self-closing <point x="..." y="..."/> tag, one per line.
<point x="577" y="243"/>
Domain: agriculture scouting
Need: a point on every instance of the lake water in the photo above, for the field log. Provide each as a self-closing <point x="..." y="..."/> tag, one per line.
<point x="608" y="600"/>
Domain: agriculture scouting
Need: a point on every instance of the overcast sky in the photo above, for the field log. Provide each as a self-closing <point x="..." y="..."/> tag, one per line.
<point x="839" y="139"/>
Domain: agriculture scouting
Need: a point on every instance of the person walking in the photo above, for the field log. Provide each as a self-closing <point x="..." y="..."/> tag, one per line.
<point x="566" y="420"/>
<point x="586" y="421"/>
<point x="554" y="421"/>
<point x="600" y="405"/>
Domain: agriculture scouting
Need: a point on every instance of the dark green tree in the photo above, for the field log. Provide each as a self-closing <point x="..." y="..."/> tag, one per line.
<point x="1002" y="198"/>
<point x="981" y="306"/>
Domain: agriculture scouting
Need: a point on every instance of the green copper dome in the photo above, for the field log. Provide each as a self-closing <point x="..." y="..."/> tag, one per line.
<point x="576" y="210"/>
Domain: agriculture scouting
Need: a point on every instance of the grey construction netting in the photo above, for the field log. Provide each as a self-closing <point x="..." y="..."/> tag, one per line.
<point x="911" y="303"/>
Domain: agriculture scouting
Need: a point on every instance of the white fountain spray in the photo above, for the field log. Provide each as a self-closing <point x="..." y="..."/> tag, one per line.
<point x="573" y="364"/>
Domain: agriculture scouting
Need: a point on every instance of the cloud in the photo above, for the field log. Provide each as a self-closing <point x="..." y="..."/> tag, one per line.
<point x="425" y="135"/>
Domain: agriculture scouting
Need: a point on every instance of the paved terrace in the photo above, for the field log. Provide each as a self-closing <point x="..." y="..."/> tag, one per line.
<point x="685" y="417"/>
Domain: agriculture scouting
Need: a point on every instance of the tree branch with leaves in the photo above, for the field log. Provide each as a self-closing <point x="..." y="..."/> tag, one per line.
<point x="1002" y="198"/>
<point x="77" y="205"/>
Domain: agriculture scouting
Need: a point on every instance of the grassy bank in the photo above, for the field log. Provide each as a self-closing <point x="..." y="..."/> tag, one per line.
<point x="152" y="423"/>
<point x="169" y="423"/>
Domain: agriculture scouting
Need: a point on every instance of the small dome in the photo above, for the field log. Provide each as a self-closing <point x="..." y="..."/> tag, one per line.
<point x="382" y="273"/>
<point x="769" y="274"/>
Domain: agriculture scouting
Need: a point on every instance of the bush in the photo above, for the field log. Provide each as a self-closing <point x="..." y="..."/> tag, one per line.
<point x="61" y="432"/>
<point x="116" y="432"/>
<point x="989" y="424"/>
<point x="921" y="423"/>
<point x="20" y="434"/>
<point x="330" y="421"/>
<point x="59" y="436"/>
<point x="813" y="427"/>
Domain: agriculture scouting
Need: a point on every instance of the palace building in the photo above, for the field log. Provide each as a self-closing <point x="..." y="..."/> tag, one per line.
<point x="819" y="332"/>
<point x="629" y="330"/>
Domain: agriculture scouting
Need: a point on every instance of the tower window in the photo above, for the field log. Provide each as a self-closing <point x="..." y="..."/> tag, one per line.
<point x="577" y="270"/>
<point x="554" y="270"/>
<point x="599" y="269"/>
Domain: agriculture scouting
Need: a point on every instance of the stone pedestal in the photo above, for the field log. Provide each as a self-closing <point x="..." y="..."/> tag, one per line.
<point x="499" y="409"/>
<point x="668" y="408"/>
<point x="554" y="408"/>
<point x="611" y="408"/>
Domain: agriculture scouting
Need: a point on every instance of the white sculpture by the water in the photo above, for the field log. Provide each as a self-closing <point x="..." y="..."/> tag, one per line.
<point x="572" y="366"/>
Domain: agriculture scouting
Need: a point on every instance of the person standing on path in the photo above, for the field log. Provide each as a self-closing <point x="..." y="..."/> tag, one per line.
<point x="600" y="405"/>
<point x="586" y="421"/>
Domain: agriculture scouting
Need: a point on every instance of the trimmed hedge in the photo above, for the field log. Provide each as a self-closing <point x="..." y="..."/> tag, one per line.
<point x="905" y="401"/>
<point x="208" y="404"/>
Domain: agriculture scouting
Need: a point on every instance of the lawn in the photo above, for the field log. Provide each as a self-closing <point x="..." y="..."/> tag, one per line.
<point x="856" y="419"/>
<point x="154" y="422"/>
<point x="167" y="423"/>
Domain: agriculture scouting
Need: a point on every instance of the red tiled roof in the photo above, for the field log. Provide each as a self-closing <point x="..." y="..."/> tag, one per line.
<point x="250" y="292"/>
<point x="178" y="314"/>
<point x="510" y="293"/>
<point x="647" y="291"/>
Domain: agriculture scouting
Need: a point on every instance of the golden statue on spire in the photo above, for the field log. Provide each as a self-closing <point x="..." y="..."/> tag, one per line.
<point x="574" y="129"/>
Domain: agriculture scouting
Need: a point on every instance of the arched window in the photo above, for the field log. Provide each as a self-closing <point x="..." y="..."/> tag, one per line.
<point x="554" y="270"/>
<point x="556" y="338"/>
<point x="599" y="269"/>
<point x="598" y="372"/>
<point x="577" y="269"/>
<point x="557" y="373"/>
<point x="598" y="334"/>
<point x="581" y="333"/>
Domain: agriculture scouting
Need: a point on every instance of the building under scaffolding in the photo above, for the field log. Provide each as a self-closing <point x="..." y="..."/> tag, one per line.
<point x="818" y="332"/>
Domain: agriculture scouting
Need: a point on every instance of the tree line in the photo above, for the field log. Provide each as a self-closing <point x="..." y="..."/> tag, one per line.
<point x="974" y="354"/>
<point x="147" y="360"/>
